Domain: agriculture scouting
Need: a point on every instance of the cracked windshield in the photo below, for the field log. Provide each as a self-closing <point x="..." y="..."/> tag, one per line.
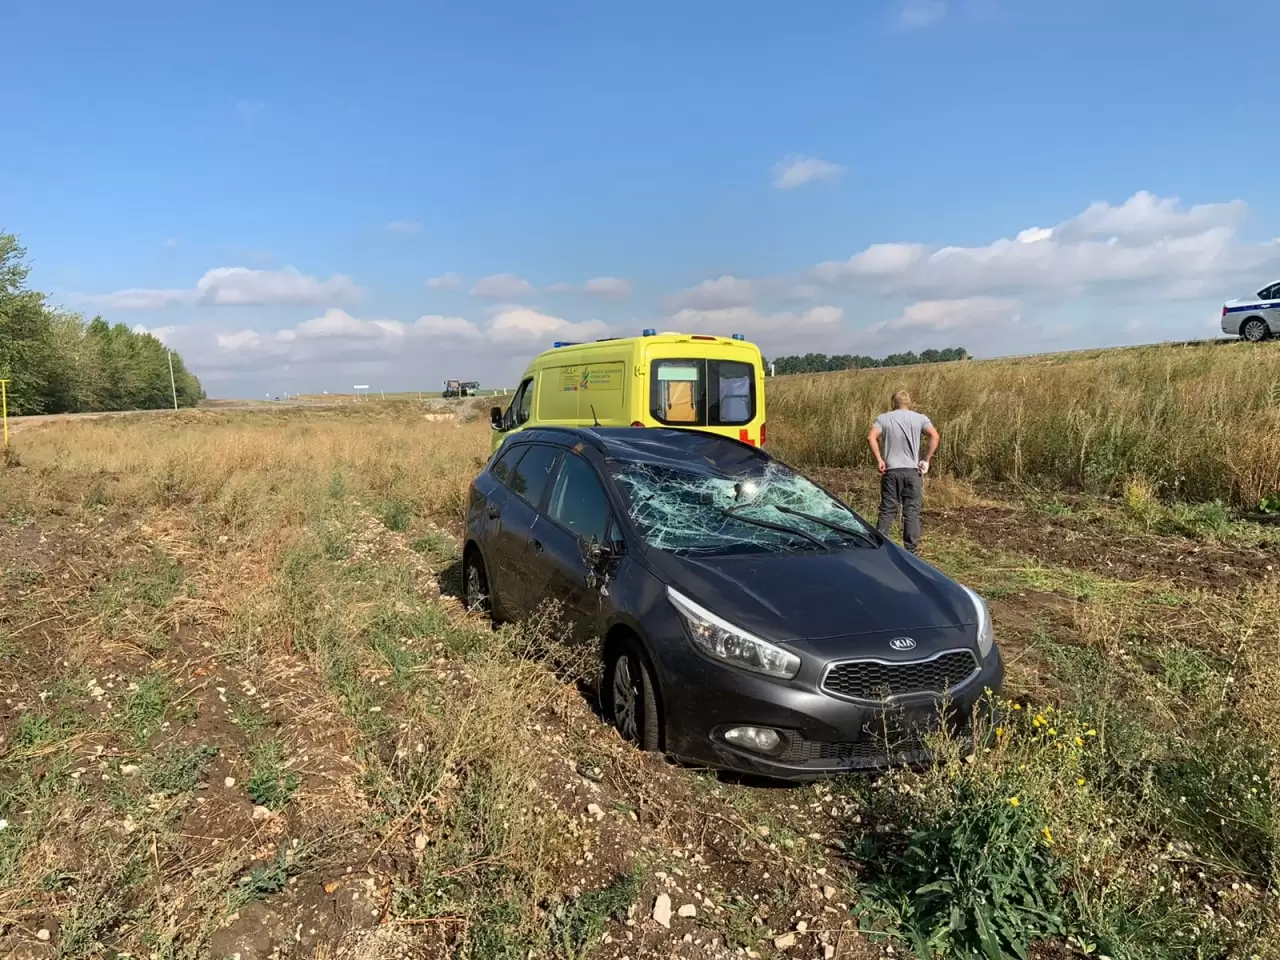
<point x="769" y="510"/>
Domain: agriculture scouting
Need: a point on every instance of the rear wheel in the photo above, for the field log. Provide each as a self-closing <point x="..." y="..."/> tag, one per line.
<point x="1255" y="330"/>
<point x="633" y="698"/>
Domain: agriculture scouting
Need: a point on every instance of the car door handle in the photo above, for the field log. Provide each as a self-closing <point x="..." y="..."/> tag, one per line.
<point x="535" y="544"/>
<point x="493" y="512"/>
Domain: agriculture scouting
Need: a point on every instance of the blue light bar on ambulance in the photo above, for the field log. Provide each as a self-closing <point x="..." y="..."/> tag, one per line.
<point x="648" y="332"/>
<point x="738" y="336"/>
<point x="566" y="343"/>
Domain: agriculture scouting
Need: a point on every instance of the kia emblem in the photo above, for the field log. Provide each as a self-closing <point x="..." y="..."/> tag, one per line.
<point x="902" y="643"/>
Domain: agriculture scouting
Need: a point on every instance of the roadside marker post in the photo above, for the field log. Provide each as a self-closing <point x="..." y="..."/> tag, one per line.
<point x="4" y="408"/>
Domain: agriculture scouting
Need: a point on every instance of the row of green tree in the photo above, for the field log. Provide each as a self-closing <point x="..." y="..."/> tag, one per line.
<point x="57" y="362"/>
<point x="821" y="363"/>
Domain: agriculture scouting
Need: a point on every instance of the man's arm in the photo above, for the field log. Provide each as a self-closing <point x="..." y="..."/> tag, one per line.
<point x="873" y="438"/>
<point x="931" y="432"/>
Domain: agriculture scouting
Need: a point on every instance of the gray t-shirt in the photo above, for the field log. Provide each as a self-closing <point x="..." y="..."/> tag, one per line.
<point x="900" y="437"/>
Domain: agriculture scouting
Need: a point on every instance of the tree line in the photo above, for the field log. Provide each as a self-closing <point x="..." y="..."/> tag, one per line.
<point x="57" y="362"/>
<point x="821" y="363"/>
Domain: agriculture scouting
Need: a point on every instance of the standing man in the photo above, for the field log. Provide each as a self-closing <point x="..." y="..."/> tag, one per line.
<point x="902" y="469"/>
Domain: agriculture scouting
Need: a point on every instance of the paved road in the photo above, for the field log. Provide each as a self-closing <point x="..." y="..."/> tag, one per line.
<point x="17" y="424"/>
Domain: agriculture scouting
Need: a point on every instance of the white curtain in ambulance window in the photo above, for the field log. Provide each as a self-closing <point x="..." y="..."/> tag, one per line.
<point x="735" y="399"/>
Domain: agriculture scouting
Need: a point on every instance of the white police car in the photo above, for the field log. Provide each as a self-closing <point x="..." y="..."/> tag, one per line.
<point x="1253" y="318"/>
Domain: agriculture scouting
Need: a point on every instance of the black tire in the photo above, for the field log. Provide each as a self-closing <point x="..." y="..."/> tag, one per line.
<point x="632" y="697"/>
<point x="475" y="584"/>
<point x="1255" y="330"/>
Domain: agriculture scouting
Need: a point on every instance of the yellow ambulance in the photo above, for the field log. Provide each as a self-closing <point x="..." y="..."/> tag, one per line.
<point x="653" y="380"/>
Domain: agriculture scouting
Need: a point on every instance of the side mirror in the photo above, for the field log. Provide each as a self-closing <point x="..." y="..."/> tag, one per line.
<point x="600" y="559"/>
<point x="495" y="417"/>
<point x="593" y="551"/>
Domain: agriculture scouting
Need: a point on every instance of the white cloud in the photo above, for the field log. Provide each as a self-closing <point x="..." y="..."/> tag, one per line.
<point x="171" y="242"/>
<point x="795" y="171"/>
<point x="752" y="323"/>
<point x="520" y="325"/>
<point x="404" y="226"/>
<point x="135" y="299"/>
<point x="337" y="336"/>
<point x="1147" y="242"/>
<point x="613" y="288"/>
<point x="160" y="333"/>
<point x="445" y="327"/>
<point x="242" y="286"/>
<point x="239" y="340"/>
<point x="916" y="14"/>
<point x="608" y="288"/>
<point x="446" y="281"/>
<point x="502" y="286"/>
<point x="954" y="315"/>
<point x="234" y="286"/>
<point x="716" y="294"/>
<point x="335" y="323"/>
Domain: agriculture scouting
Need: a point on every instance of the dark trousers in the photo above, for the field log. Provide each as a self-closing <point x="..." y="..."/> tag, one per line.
<point x="902" y="488"/>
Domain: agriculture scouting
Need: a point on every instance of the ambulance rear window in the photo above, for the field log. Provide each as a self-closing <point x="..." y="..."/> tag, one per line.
<point x="702" y="393"/>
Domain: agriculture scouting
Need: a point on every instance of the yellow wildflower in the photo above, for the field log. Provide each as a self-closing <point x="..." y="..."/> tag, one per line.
<point x="1038" y="721"/>
<point x="1079" y="781"/>
<point x="1091" y="733"/>
<point x="1017" y="706"/>
<point x="1014" y="801"/>
<point x="1048" y="837"/>
<point x="1079" y="742"/>
<point x="999" y="731"/>
<point x="1053" y="732"/>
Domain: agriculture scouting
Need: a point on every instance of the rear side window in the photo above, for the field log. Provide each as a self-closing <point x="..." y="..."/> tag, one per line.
<point x="578" y="500"/>
<point x="715" y="393"/>
<point x="1270" y="293"/>
<point x="506" y="463"/>
<point x="532" y="474"/>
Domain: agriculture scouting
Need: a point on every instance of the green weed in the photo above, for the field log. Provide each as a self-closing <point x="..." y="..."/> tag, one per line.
<point x="978" y="881"/>
<point x="180" y="769"/>
<point x="271" y="783"/>
<point x="396" y="515"/>
<point x="146" y="704"/>
<point x="577" y="925"/>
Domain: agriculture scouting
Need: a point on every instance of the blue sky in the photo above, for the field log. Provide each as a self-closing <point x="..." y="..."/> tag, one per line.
<point x="302" y="196"/>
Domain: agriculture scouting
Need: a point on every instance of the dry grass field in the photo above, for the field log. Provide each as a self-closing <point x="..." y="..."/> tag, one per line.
<point x="1198" y="423"/>
<point x="242" y="714"/>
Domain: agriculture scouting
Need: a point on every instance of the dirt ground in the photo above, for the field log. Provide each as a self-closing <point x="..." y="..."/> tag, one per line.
<point x="212" y="744"/>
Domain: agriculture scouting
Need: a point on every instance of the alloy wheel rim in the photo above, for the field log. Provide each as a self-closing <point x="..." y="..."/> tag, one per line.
<point x="1253" y="330"/>
<point x="624" y="699"/>
<point x="475" y="594"/>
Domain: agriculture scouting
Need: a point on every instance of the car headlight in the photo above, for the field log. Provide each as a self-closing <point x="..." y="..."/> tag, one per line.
<point x="720" y="639"/>
<point x="986" y="632"/>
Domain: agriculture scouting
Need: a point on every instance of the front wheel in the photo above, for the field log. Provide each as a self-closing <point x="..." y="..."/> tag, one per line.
<point x="475" y="584"/>
<point x="1255" y="330"/>
<point x="633" y="698"/>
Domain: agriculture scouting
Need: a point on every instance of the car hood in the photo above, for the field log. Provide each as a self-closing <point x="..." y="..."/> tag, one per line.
<point x="814" y="596"/>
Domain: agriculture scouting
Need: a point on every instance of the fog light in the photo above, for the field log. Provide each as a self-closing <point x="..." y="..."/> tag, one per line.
<point x="760" y="739"/>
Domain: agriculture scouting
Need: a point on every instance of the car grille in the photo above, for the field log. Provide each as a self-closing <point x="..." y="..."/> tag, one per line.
<point x="874" y="752"/>
<point x="873" y="680"/>
<point x="800" y="752"/>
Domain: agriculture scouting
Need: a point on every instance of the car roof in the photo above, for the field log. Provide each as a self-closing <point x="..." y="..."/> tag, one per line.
<point x="678" y="446"/>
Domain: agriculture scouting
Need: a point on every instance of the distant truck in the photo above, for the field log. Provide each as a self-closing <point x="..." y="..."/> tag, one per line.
<point x="461" y="388"/>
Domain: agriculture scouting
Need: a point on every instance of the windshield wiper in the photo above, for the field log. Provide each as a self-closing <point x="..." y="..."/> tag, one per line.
<point x="829" y="524"/>
<point x="768" y="525"/>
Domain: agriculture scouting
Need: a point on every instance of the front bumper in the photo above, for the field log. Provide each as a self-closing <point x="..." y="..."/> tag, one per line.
<point x="822" y="735"/>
